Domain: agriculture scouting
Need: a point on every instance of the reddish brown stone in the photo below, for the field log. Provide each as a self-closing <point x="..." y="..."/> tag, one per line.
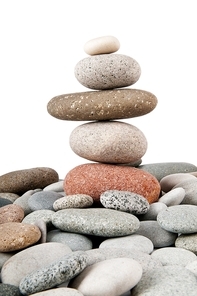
<point x="11" y="213"/>
<point x="94" y="178"/>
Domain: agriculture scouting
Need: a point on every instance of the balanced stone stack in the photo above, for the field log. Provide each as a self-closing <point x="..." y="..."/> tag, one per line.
<point x="115" y="147"/>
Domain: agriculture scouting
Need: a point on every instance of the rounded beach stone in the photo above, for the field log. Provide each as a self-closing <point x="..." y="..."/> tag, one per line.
<point x="179" y="219"/>
<point x="107" y="71"/>
<point x="95" y="178"/>
<point x="9" y="290"/>
<point x="173" y="256"/>
<point x="171" y="180"/>
<point x="153" y="211"/>
<point x="135" y="242"/>
<point x="43" y="200"/>
<point x="59" y="292"/>
<point x="57" y="187"/>
<point x="166" y="280"/>
<point x="190" y="187"/>
<point x="188" y="242"/>
<point x="16" y="236"/>
<point x="162" y="169"/>
<point x="108" y="142"/>
<point x="102" y="45"/>
<point x="125" y="201"/>
<point x="173" y="197"/>
<point x="159" y="236"/>
<point x="76" y="241"/>
<point x="11" y="213"/>
<point x="51" y="275"/>
<point x="102" y="105"/>
<point x="45" y="215"/>
<point x="31" y="259"/>
<point x="73" y="201"/>
<point x="109" y="277"/>
<point x="23" y="180"/>
<point x="95" y="221"/>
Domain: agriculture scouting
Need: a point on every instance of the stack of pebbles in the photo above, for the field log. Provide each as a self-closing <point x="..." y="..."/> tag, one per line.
<point x="114" y="147"/>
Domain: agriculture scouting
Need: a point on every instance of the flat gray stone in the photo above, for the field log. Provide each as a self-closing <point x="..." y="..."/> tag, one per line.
<point x="171" y="180"/>
<point x="96" y="221"/>
<point x="43" y="200"/>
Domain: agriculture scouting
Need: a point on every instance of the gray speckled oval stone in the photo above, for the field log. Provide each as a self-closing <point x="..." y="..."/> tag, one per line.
<point x="173" y="197"/>
<point x="187" y="241"/>
<point x="9" y="290"/>
<point x="124" y="201"/>
<point x="107" y="71"/>
<point x="54" y="274"/>
<point x="166" y="281"/>
<point x="162" y="169"/>
<point x="108" y="142"/>
<point x="179" y="219"/>
<point x="96" y="221"/>
<point x="73" y="201"/>
<point x="102" y="105"/>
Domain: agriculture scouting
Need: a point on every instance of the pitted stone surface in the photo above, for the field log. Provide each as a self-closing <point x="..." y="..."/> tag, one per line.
<point x="102" y="105"/>
<point x="107" y="71"/>
<point x="73" y="201"/>
<point x="58" y="272"/>
<point x="95" y="178"/>
<point x="108" y="142"/>
<point x="9" y="290"/>
<point x="179" y="219"/>
<point x="96" y="221"/>
<point x="102" y="45"/>
<point x="11" y="213"/>
<point x="23" y="180"/>
<point x="125" y="201"/>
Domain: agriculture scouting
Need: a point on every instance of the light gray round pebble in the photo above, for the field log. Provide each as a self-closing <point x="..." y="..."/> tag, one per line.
<point x="57" y="186"/>
<point x="159" y="236"/>
<point x="179" y="219"/>
<point x="131" y="242"/>
<point x="64" y="269"/>
<point x="76" y="241"/>
<point x="45" y="215"/>
<point x="188" y="242"/>
<point x="173" y="197"/>
<point x="166" y="281"/>
<point x="73" y="201"/>
<point x="190" y="187"/>
<point x="171" y="180"/>
<point x="107" y="71"/>
<point x="43" y="200"/>
<point x="153" y="211"/>
<point x="96" y="221"/>
<point x="124" y="201"/>
<point x="173" y="256"/>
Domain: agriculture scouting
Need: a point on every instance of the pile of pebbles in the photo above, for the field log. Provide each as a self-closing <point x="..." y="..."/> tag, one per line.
<point x="113" y="226"/>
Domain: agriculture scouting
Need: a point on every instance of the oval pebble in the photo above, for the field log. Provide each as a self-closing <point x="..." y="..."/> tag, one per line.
<point x="45" y="215"/>
<point x="108" y="142"/>
<point x="102" y="45"/>
<point x="73" y="201"/>
<point x="43" y="200"/>
<point x="95" y="221"/>
<point x="153" y="211"/>
<point x="124" y="201"/>
<point x="76" y="241"/>
<point x="16" y="236"/>
<point x="57" y="186"/>
<point x="110" y="277"/>
<point x="171" y="180"/>
<point x="190" y="187"/>
<point x="172" y="219"/>
<point x="23" y="180"/>
<point x="131" y="242"/>
<point x="31" y="259"/>
<point x="188" y="242"/>
<point x="51" y="275"/>
<point x="173" y="197"/>
<point x="93" y="179"/>
<point x="107" y="71"/>
<point x="11" y="213"/>
<point x="166" y="280"/>
<point x="59" y="292"/>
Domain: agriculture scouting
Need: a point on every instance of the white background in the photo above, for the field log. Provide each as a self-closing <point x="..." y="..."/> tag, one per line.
<point x="42" y="41"/>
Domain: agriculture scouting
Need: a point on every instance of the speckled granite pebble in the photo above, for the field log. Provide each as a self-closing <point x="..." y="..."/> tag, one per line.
<point x="31" y="259"/>
<point x="108" y="142"/>
<point x="9" y="290"/>
<point x="179" y="219"/>
<point x="124" y="201"/>
<point x="45" y="215"/>
<point x="102" y="45"/>
<point x="23" y="180"/>
<point x="159" y="236"/>
<point x="162" y="169"/>
<point x="73" y="201"/>
<point x="103" y="277"/>
<point x="16" y="236"/>
<point x="95" y="221"/>
<point x="173" y="197"/>
<point x="107" y="71"/>
<point x="76" y="241"/>
<point x="59" y="292"/>
<point x="95" y="178"/>
<point x="43" y="200"/>
<point x="190" y="187"/>
<point x="132" y="242"/>
<point x="11" y="213"/>
<point x="64" y="269"/>
<point x="102" y="105"/>
<point x="188" y="242"/>
<point x="171" y="180"/>
<point x="166" y="281"/>
<point x="173" y="256"/>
